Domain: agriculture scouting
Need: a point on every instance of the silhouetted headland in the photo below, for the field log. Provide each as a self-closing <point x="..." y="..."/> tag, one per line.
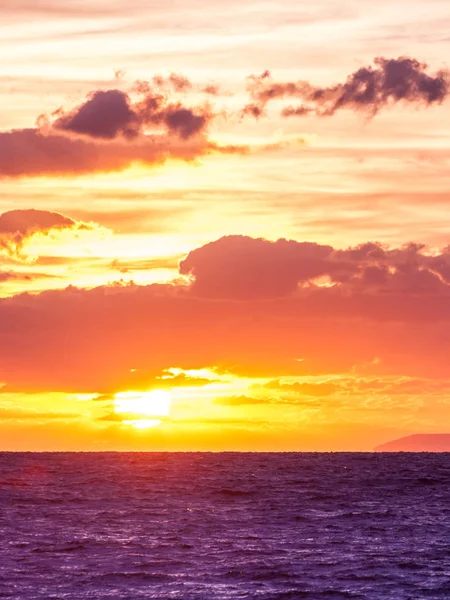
<point x="420" y="442"/>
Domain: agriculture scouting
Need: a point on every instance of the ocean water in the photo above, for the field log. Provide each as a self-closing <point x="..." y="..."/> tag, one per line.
<point x="201" y="526"/>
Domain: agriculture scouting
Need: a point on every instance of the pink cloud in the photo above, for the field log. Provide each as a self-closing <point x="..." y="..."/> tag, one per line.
<point x="243" y="267"/>
<point x="101" y="340"/>
<point x="28" y="152"/>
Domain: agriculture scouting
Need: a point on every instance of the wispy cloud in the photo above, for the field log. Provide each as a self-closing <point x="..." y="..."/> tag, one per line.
<point x="369" y="89"/>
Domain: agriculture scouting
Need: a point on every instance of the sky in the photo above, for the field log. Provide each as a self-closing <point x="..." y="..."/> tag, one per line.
<point x="223" y="226"/>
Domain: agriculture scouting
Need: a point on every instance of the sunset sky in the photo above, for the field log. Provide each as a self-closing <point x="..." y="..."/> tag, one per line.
<point x="223" y="225"/>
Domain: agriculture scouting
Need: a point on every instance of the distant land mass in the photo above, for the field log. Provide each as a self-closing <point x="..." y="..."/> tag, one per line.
<point x="420" y="442"/>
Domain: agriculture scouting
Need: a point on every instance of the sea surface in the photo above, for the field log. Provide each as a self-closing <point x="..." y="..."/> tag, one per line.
<point x="201" y="526"/>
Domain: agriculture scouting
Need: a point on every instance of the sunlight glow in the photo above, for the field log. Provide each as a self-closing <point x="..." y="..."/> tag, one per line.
<point x="155" y="403"/>
<point x="143" y="423"/>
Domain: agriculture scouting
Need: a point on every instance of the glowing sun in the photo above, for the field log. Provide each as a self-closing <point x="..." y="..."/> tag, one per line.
<point x="142" y="409"/>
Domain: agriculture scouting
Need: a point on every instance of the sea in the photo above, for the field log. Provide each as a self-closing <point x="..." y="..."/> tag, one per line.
<point x="220" y="526"/>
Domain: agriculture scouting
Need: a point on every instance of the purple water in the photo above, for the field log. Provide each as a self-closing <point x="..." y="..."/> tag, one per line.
<point x="219" y="526"/>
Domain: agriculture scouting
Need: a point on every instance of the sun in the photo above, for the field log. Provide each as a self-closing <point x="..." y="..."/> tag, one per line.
<point x="143" y="409"/>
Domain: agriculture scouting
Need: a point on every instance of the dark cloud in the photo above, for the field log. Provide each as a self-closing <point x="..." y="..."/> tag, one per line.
<point x="263" y="89"/>
<point x="184" y="122"/>
<point x="368" y="89"/>
<point x="106" y="114"/>
<point x="112" y="113"/>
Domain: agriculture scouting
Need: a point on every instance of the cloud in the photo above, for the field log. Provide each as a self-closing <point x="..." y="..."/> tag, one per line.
<point x="113" y="129"/>
<point x="181" y="380"/>
<point x="130" y="266"/>
<point x="252" y="308"/>
<point x="369" y="89"/>
<point x="184" y="121"/>
<point x="287" y="393"/>
<point x="28" y="152"/>
<point x="148" y="378"/>
<point x="213" y="89"/>
<point x="10" y="275"/>
<point x="296" y="111"/>
<point x="17" y="226"/>
<point x="155" y="121"/>
<point x="243" y="267"/>
<point x="108" y="114"/>
<point x="174" y="82"/>
<point x="14" y="276"/>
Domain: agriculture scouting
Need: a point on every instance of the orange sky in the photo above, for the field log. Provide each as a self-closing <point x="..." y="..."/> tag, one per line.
<point x="223" y="226"/>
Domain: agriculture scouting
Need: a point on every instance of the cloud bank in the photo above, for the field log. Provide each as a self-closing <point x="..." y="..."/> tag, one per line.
<point x="154" y="121"/>
<point x="28" y="153"/>
<point x="111" y="130"/>
<point x="253" y="307"/>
